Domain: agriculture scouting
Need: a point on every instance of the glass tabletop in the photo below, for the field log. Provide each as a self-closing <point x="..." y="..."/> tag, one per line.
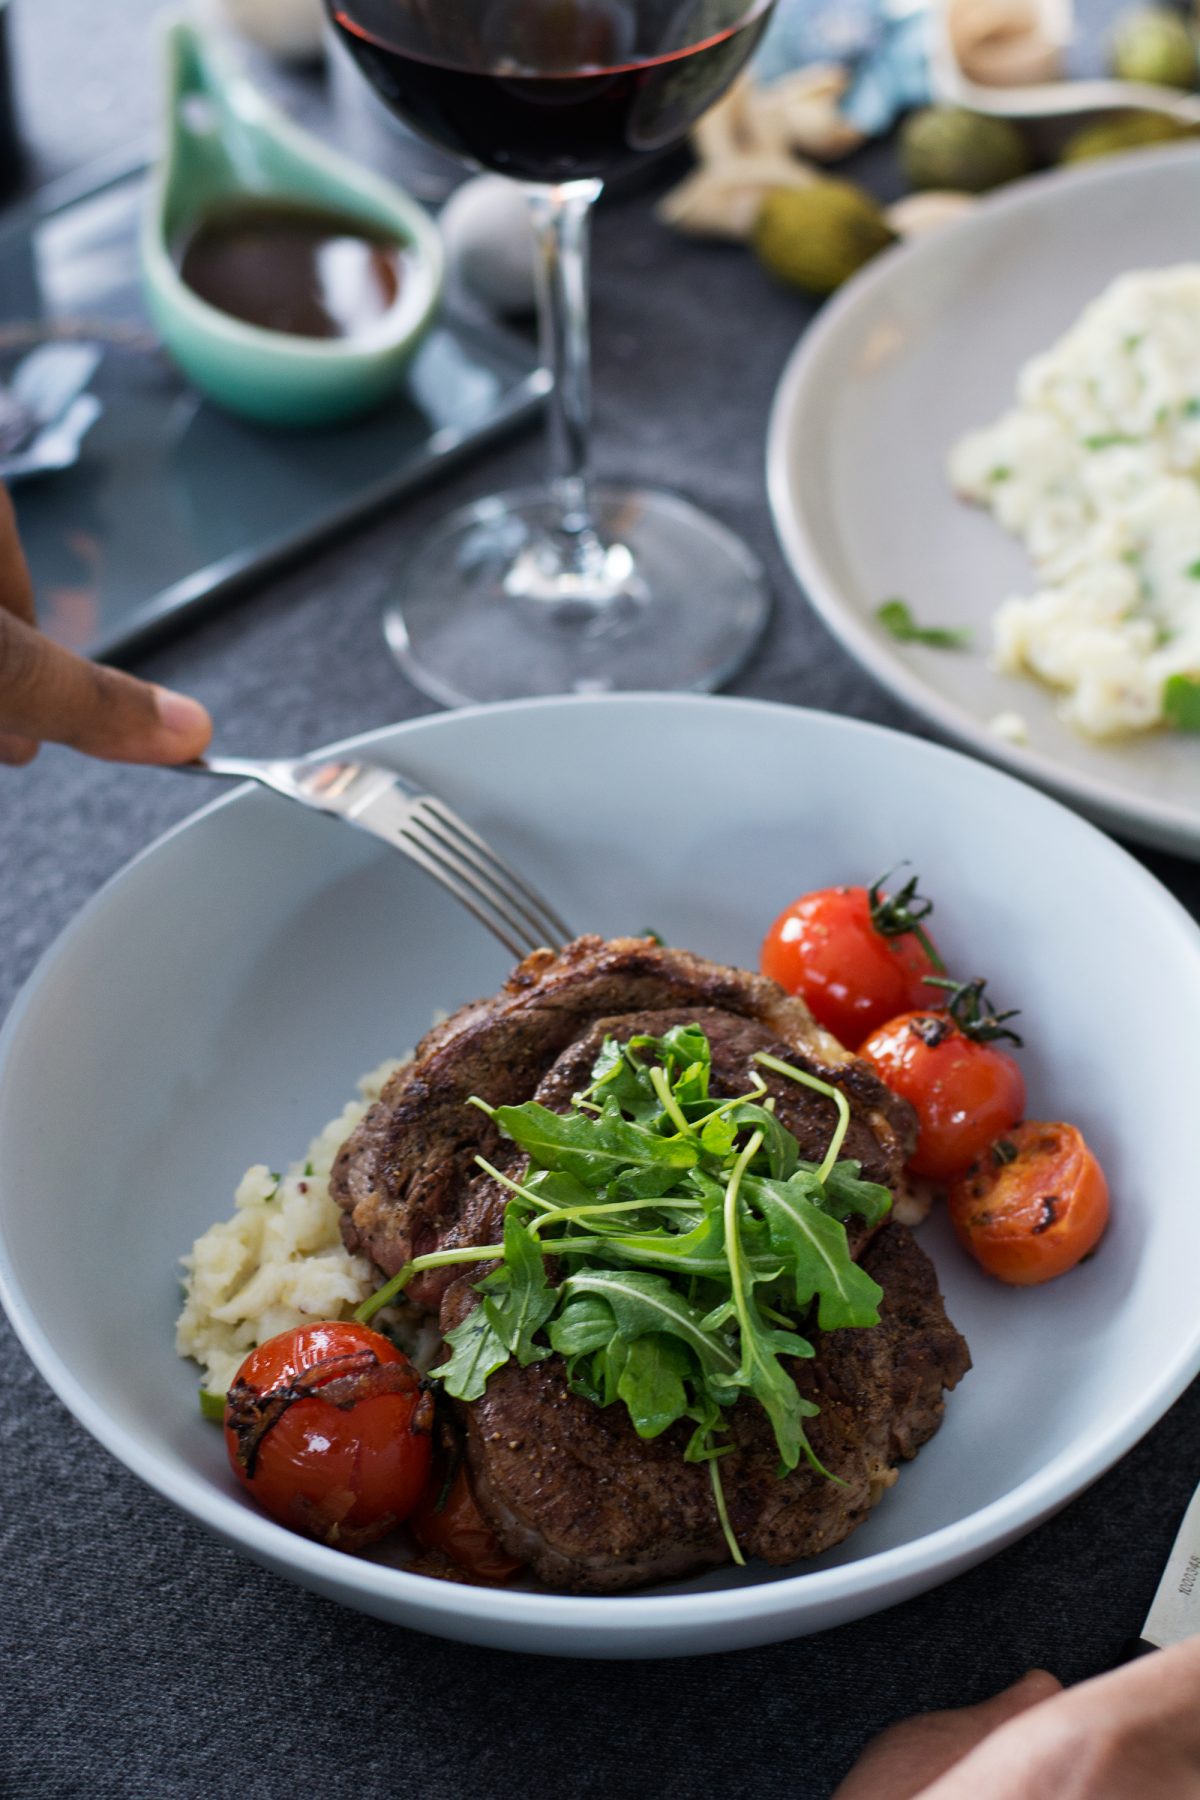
<point x="174" y="502"/>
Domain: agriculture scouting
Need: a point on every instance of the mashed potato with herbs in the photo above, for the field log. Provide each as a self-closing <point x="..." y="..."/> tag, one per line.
<point x="280" y="1260"/>
<point x="1097" y="471"/>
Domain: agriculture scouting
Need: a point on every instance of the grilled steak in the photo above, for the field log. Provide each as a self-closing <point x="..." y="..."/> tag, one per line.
<point x="569" y="1487"/>
<point x="405" y="1178"/>
<point x="591" y="1506"/>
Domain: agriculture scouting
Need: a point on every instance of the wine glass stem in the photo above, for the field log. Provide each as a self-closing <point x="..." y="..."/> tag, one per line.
<point x="561" y="217"/>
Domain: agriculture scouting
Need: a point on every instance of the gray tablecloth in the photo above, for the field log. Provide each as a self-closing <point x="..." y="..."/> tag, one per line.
<point x="139" y="1656"/>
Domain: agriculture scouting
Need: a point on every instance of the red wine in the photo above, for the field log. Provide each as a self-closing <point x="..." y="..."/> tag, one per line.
<point x="550" y="90"/>
<point x="11" y="159"/>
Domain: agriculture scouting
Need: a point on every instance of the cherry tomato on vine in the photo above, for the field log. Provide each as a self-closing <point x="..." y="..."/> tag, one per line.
<point x="854" y="955"/>
<point x="1033" y="1205"/>
<point x="328" y="1427"/>
<point x="448" y="1519"/>
<point x="966" y="1092"/>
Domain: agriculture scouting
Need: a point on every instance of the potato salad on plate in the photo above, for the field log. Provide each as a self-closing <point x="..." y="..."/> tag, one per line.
<point x="1097" y="470"/>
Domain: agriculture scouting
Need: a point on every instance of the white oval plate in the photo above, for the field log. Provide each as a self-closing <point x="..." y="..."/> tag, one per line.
<point x="215" y="1003"/>
<point x="924" y="345"/>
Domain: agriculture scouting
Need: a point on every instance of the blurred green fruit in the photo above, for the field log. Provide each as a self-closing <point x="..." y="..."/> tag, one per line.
<point x="1154" y="45"/>
<point x="946" y="147"/>
<point x="816" y="237"/>
<point x="1128" y="131"/>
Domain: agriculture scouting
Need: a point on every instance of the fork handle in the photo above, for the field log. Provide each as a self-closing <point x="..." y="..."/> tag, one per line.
<point x="285" y="776"/>
<point x="225" y="768"/>
<point x="270" y="774"/>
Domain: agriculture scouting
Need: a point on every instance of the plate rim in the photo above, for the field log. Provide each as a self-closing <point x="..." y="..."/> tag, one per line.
<point x="767" y="1606"/>
<point x="1162" y="824"/>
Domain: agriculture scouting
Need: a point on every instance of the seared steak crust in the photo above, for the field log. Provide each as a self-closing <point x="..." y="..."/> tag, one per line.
<point x="573" y="1490"/>
<point x="406" y="1180"/>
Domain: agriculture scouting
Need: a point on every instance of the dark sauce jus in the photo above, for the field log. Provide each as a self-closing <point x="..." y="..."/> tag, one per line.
<point x="290" y="268"/>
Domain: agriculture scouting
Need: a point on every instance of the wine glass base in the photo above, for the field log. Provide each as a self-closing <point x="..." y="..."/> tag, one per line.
<point x="489" y="608"/>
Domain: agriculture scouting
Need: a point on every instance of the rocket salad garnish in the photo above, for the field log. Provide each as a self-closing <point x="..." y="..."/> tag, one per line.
<point x="691" y="1246"/>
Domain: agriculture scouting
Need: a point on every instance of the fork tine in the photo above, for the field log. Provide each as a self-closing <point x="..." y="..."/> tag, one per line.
<point x="415" y="834"/>
<point x="460" y="841"/>
<point x="425" y="829"/>
<point x="542" y="911"/>
<point x="475" y="899"/>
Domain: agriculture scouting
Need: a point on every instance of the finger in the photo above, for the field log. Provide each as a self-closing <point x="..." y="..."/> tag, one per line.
<point x="902" y="1761"/>
<point x="17" y="751"/>
<point x="47" y="692"/>
<point x="1164" y="1687"/>
<point x="16" y="588"/>
<point x="1133" y="1734"/>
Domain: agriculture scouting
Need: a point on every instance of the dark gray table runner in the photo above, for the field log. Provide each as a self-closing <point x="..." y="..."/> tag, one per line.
<point x="142" y="1658"/>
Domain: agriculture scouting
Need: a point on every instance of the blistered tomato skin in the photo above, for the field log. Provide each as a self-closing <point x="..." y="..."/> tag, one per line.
<point x="966" y="1094"/>
<point x="1034" y="1205"/>
<point x="448" y="1520"/>
<point x="327" y="1426"/>
<point x="853" y="979"/>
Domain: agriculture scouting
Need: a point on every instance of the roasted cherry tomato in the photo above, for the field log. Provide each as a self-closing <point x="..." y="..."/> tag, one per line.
<point x="1033" y="1204"/>
<point x="966" y="1091"/>
<point x="855" y="956"/>
<point x="448" y="1519"/>
<point x="329" y="1429"/>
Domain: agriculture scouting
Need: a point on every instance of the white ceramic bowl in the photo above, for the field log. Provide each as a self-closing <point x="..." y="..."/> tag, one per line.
<point x="215" y="1003"/>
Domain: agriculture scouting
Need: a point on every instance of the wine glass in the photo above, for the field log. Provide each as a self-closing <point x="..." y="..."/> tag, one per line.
<point x="571" y="588"/>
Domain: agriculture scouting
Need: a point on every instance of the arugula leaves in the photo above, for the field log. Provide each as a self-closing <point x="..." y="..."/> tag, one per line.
<point x="642" y="1304"/>
<point x="813" y="1247"/>
<point x="896" y="617"/>
<point x="1181" y="702"/>
<point x="516" y="1298"/>
<point x="478" y="1351"/>
<point x="843" y="1192"/>
<point x="653" y="1382"/>
<point x="669" y="1246"/>
<point x="608" y="1149"/>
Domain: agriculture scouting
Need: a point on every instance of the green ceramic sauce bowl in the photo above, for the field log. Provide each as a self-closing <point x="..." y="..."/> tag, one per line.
<point x="227" y="146"/>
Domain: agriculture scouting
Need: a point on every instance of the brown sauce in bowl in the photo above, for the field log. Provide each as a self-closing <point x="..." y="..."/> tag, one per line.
<point x="288" y="268"/>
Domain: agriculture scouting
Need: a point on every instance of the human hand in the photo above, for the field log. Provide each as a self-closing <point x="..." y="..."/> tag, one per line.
<point x="1125" y="1736"/>
<point x="902" y="1762"/>
<point x="48" y="694"/>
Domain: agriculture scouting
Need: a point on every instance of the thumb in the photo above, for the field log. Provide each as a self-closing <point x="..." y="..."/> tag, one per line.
<point x="47" y="693"/>
<point x="905" y="1759"/>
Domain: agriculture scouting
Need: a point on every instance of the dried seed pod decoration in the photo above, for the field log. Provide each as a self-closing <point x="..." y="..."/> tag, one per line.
<point x="723" y="199"/>
<point x="1005" y="43"/>
<point x="290" y="30"/>
<point x="755" y="142"/>
<point x="919" y="214"/>
<point x="800" y="113"/>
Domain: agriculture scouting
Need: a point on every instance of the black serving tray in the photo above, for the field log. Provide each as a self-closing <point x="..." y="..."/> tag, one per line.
<point x="174" y="502"/>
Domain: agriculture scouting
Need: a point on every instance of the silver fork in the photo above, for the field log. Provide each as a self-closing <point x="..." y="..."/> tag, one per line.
<point x="424" y="828"/>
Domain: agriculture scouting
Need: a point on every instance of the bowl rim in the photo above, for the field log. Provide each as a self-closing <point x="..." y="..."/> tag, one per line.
<point x="1161" y="822"/>
<point x="422" y="1601"/>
